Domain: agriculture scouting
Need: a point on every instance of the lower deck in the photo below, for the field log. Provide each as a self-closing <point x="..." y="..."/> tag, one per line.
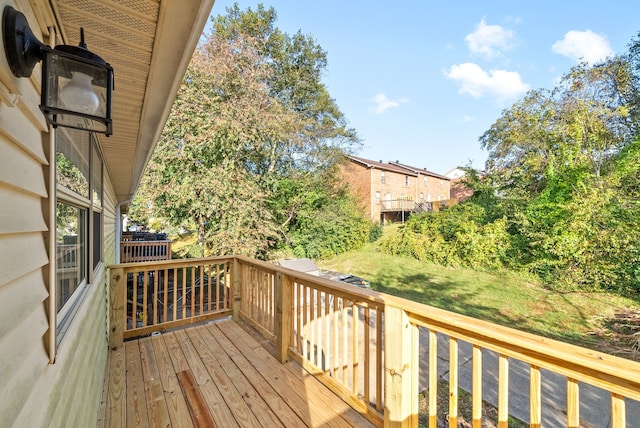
<point x="214" y="375"/>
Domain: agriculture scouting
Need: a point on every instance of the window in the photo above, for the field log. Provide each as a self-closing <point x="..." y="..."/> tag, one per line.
<point x="382" y="177"/>
<point x="406" y="180"/>
<point x="78" y="237"/>
<point x="70" y="251"/>
<point x="425" y="180"/>
<point x="377" y="197"/>
<point x="421" y="196"/>
<point x="442" y="184"/>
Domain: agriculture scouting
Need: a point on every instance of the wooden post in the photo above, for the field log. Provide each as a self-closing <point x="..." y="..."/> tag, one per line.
<point x="401" y="347"/>
<point x="117" y="295"/>
<point x="283" y="323"/>
<point x="237" y="279"/>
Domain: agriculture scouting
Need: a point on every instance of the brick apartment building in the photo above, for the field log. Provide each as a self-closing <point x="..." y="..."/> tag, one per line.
<point x="392" y="191"/>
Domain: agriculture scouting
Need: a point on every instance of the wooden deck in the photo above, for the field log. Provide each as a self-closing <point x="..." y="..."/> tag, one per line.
<point x="214" y="375"/>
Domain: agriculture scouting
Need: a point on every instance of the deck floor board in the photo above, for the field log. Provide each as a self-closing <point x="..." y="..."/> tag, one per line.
<point x="217" y="373"/>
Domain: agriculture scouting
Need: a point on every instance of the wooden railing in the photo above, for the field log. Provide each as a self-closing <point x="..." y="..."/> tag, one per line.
<point x="144" y="251"/>
<point x="331" y="331"/>
<point x="154" y="296"/>
<point x="410" y="205"/>
<point x="66" y="256"/>
<point x="366" y="346"/>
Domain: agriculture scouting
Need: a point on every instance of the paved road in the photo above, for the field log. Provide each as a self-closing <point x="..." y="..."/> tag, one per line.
<point x="594" y="402"/>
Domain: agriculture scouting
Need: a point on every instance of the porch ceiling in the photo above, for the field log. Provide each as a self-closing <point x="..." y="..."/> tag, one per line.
<point x="149" y="44"/>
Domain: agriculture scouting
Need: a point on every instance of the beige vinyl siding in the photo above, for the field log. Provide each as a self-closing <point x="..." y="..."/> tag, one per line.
<point x="23" y="253"/>
<point x="33" y="392"/>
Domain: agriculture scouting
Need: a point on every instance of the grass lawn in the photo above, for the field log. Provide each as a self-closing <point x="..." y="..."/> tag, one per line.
<point x="502" y="298"/>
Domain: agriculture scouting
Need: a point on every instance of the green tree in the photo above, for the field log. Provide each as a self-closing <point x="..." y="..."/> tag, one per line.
<point x="252" y="131"/>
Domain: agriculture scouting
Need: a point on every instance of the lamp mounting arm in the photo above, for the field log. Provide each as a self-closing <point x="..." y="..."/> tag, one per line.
<point x="20" y="44"/>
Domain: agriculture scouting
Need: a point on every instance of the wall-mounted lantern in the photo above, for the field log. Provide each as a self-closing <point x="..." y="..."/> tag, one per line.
<point x="76" y="84"/>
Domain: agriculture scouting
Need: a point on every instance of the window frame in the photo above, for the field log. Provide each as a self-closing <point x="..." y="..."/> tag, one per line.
<point x="91" y="234"/>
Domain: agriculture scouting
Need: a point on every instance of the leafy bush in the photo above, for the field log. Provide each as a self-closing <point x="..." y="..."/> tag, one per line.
<point x="457" y="236"/>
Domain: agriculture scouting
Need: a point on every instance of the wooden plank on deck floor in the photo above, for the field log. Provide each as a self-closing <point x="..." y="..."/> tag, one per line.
<point x="316" y="410"/>
<point x="225" y="350"/>
<point x="315" y="387"/>
<point x="241" y="411"/>
<point x="137" y="415"/>
<point x="102" y="412"/>
<point x="215" y="358"/>
<point x="187" y="357"/>
<point x="176" y="404"/>
<point x="116" y="407"/>
<point x="157" y="407"/>
<point x="156" y="403"/>
<point x="195" y="401"/>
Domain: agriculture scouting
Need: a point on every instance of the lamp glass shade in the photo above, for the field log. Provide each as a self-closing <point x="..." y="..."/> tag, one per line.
<point x="76" y="92"/>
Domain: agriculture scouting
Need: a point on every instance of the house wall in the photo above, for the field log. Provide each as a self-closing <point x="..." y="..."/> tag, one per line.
<point x="364" y="181"/>
<point x="438" y="188"/>
<point x="358" y="177"/>
<point x="33" y="391"/>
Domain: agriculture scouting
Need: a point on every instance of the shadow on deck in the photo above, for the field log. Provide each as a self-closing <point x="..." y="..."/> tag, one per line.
<point x="218" y="374"/>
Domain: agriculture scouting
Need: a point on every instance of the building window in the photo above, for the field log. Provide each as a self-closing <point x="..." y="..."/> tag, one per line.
<point x="428" y="197"/>
<point x="382" y="177"/>
<point x="79" y="201"/>
<point x="442" y="184"/>
<point x="406" y="180"/>
<point x="421" y="196"/>
<point x="377" y="197"/>
<point x="425" y="180"/>
<point x="71" y="238"/>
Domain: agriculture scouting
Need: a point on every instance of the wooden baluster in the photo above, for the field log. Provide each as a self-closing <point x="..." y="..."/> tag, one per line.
<point x="573" y="403"/>
<point x="618" y="416"/>
<point x="355" y="355"/>
<point x="453" y="382"/>
<point x="379" y="362"/>
<point x="477" y="386"/>
<point x="535" y="397"/>
<point x="433" y="379"/>
<point x="366" y="355"/>
<point x="503" y="391"/>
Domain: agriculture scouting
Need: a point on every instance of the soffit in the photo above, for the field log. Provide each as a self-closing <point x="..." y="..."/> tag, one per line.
<point x="149" y="44"/>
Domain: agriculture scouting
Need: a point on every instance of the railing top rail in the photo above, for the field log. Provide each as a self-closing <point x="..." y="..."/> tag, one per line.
<point x="612" y="373"/>
<point x="171" y="263"/>
<point x="361" y="295"/>
<point x="131" y="242"/>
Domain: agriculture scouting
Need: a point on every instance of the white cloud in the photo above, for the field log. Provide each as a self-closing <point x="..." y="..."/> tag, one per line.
<point x="476" y="82"/>
<point x="583" y="45"/>
<point x="382" y="103"/>
<point x="490" y="41"/>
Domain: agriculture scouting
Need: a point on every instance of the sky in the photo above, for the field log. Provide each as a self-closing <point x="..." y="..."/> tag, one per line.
<point x="421" y="81"/>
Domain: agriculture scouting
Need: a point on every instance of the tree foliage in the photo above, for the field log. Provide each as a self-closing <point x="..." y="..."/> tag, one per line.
<point x="560" y="198"/>
<point x="252" y="137"/>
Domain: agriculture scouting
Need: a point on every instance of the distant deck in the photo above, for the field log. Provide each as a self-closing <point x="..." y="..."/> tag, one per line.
<point x="214" y="375"/>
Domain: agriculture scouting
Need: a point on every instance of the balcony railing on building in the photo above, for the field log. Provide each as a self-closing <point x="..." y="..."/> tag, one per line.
<point x="410" y="205"/>
<point x="363" y="345"/>
<point x="137" y="247"/>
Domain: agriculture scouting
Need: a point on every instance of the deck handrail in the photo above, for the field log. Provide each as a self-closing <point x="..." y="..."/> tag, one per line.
<point x="363" y="345"/>
<point x="144" y="251"/>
